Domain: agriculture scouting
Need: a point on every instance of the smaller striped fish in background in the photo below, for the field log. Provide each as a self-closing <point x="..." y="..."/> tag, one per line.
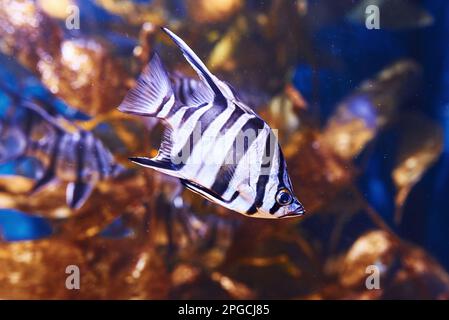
<point x="214" y="143"/>
<point x="67" y="152"/>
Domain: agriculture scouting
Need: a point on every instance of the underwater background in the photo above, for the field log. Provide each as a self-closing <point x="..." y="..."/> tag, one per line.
<point x="363" y="119"/>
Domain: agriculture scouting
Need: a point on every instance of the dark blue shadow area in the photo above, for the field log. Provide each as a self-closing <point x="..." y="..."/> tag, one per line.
<point x="15" y="225"/>
<point x="117" y="229"/>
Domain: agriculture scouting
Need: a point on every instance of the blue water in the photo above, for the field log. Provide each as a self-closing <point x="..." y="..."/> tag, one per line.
<point x="364" y="52"/>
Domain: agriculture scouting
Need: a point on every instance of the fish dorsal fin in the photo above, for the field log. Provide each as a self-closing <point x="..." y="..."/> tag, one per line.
<point x="202" y="95"/>
<point x="191" y="91"/>
<point x="220" y="89"/>
<point x="152" y="96"/>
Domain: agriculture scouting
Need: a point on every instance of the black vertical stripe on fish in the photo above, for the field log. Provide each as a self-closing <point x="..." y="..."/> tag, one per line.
<point x="190" y="111"/>
<point x="281" y="168"/>
<point x="28" y="127"/>
<point x="271" y="144"/>
<point x="202" y="124"/>
<point x="226" y="172"/>
<point x="51" y="169"/>
<point x="235" y="115"/>
<point x="190" y="87"/>
<point x="263" y="178"/>
<point x="182" y="97"/>
<point x="99" y="160"/>
<point x="162" y="105"/>
<point x="174" y="109"/>
<point x="80" y="156"/>
<point x="276" y="206"/>
<point x="184" y="89"/>
<point x="79" y="187"/>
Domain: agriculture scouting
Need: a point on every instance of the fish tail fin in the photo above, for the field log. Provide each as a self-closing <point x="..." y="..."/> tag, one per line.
<point x="219" y="88"/>
<point x="152" y="95"/>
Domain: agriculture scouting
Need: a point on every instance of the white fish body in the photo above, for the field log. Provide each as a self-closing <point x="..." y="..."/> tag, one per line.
<point x="215" y="144"/>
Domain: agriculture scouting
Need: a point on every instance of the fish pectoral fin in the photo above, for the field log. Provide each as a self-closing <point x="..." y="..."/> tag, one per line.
<point x="162" y="162"/>
<point x="246" y="192"/>
<point x="207" y="193"/>
<point x="77" y="193"/>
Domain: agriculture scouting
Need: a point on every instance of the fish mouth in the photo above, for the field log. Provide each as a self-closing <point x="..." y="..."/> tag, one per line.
<point x="297" y="213"/>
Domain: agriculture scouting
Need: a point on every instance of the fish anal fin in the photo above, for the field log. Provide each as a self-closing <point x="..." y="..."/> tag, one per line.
<point x="161" y="165"/>
<point x="207" y="193"/>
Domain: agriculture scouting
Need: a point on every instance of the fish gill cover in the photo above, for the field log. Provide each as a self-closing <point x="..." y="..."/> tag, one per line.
<point x="359" y="108"/>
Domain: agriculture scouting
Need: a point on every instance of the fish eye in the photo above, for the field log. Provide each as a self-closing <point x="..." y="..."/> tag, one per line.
<point x="284" y="197"/>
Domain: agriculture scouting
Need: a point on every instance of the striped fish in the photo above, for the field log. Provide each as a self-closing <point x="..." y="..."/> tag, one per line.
<point x="75" y="155"/>
<point x="183" y="88"/>
<point x="214" y="143"/>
